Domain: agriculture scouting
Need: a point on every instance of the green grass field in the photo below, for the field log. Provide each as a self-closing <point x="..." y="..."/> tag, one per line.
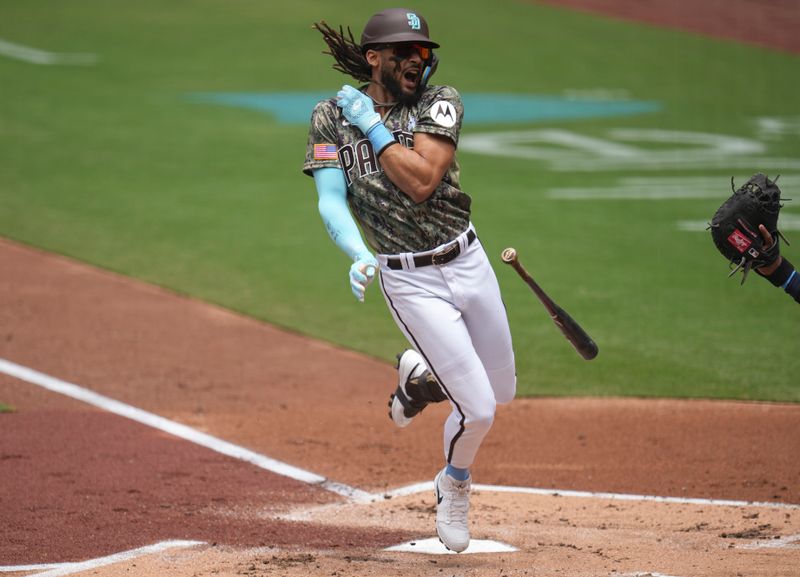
<point x="114" y="164"/>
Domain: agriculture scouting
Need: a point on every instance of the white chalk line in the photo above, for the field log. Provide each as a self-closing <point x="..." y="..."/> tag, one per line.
<point x="280" y="468"/>
<point x="646" y="574"/>
<point x="182" y="431"/>
<point x="422" y="487"/>
<point x="43" y="57"/>
<point x="61" y="569"/>
<point x="788" y="542"/>
<point x="634" y="497"/>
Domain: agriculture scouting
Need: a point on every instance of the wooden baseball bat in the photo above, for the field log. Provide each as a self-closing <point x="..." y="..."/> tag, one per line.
<point x="575" y="334"/>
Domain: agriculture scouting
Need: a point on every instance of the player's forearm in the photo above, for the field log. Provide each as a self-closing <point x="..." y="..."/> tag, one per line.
<point x="342" y="229"/>
<point x="784" y="276"/>
<point x="768" y="270"/>
<point x="335" y="213"/>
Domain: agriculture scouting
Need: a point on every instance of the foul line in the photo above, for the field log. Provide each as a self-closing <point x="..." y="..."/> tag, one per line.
<point x="60" y="569"/>
<point x="176" y="429"/>
<point x="278" y="467"/>
<point x="36" y="56"/>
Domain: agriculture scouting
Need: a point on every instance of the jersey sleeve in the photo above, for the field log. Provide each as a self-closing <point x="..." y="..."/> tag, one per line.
<point x="323" y="141"/>
<point x="441" y="112"/>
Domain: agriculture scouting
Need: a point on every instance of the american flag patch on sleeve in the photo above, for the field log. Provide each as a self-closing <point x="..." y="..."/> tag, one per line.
<point x="324" y="152"/>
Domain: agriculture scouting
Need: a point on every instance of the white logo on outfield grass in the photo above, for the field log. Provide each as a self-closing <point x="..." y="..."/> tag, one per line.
<point x="786" y="221"/>
<point x="663" y="188"/>
<point x="38" y="56"/>
<point x="627" y="149"/>
<point x="777" y="127"/>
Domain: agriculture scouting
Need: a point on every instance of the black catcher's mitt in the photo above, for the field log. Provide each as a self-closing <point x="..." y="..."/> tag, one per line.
<point x="734" y="227"/>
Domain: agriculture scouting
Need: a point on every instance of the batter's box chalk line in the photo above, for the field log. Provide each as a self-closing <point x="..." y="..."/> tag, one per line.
<point x="789" y="542"/>
<point x="647" y="574"/>
<point x="61" y="569"/>
<point x="433" y="546"/>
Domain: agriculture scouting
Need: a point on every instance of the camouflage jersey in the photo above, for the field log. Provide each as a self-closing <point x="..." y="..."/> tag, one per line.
<point x="391" y="221"/>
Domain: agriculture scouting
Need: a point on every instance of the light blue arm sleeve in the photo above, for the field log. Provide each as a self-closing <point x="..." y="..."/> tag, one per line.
<point x="335" y="213"/>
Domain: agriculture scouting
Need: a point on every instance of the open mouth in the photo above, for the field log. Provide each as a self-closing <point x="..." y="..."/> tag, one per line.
<point x="411" y="76"/>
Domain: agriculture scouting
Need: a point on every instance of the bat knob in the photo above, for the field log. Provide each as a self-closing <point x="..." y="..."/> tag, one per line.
<point x="509" y="255"/>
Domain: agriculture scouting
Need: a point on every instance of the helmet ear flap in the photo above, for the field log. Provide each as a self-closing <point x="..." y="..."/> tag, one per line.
<point x="428" y="69"/>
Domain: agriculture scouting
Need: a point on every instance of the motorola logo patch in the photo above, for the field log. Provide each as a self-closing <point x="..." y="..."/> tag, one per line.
<point x="444" y="114"/>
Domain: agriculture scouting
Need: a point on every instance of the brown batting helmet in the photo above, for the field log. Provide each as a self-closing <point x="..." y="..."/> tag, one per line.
<point x="396" y="25"/>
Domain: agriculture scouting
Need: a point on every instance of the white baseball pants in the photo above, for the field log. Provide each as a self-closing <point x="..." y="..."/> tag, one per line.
<point x="454" y="316"/>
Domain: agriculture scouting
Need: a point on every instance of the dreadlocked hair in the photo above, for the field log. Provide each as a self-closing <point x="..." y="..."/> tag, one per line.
<point x="349" y="58"/>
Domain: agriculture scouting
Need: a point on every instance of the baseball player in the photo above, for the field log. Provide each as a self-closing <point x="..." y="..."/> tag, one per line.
<point x="383" y="161"/>
<point x="755" y="206"/>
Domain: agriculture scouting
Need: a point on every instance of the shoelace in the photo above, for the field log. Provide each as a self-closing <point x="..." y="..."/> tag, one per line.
<point x="459" y="505"/>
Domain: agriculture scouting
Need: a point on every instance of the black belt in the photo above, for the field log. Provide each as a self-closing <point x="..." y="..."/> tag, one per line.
<point x="443" y="256"/>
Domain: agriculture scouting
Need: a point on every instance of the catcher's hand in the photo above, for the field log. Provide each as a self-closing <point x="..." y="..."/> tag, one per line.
<point x="737" y="225"/>
<point x="768" y="240"/>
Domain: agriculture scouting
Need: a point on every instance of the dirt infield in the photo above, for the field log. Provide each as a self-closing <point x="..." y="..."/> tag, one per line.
<point x="80" y="483"/>
<point x="769" y="23"/>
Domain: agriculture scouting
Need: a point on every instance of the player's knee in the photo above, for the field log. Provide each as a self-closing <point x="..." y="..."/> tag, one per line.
<point x="481" y="419"/>
<point x="504" y="384"/>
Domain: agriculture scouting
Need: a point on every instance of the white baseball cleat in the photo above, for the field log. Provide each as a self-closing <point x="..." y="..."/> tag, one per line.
<point x="410" y="365"/>
<point x="452" y="509"/>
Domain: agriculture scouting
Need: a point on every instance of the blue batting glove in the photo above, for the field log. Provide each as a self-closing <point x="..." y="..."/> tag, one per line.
<point x="362" y="273"/>
<point x="357" y="108"/>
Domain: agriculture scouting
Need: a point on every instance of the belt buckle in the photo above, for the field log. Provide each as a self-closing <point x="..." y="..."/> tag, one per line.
<point x="444" y="255"/>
